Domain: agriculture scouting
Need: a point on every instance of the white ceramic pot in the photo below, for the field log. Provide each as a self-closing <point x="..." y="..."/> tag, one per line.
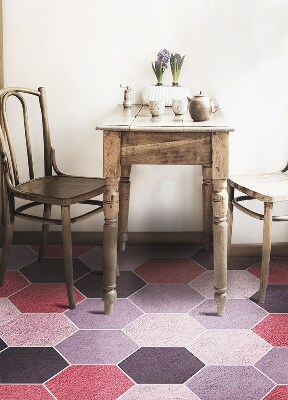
<point x="166" y="93"/>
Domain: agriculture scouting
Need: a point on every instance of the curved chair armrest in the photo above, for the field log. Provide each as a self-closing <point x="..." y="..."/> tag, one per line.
<point x="285" y="168"/>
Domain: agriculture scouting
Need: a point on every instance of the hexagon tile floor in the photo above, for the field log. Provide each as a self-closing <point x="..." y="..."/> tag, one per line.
<point x="164" y="341"/>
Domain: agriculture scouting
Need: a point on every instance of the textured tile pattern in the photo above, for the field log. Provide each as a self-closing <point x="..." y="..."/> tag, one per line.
<point x="164" y="340"/>
<point x="52" y="270"/>
<point x="159" y="392"/>
<point x="127" y="283"/>
<point x="161" y="365"/>
<point x="169" y="270"/>
<point x="164" y="330"/>
<point x="97" y="347"/>
<point x="226" y="383"/>
<point x="94" y="382"/>
<point x="229" y="347"/>
<point x="27" y="392"/>
<point x="241" y="284"/>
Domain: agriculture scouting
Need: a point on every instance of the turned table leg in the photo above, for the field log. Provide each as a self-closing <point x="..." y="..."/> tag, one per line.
<point x="124" y="196"/>
<point x="110" y="244"/>
<point x="207" y="188"/>
<point x="110" y="208"/>
<point x="220" y="208"/>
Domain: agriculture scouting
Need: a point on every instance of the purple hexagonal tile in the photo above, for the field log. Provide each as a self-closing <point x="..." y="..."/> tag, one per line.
<point x="226" y="383"/>
<point x="159" y="392"/>
<point x="206" y="259"/>
<point x="241" y="284"/>
<point x="20" y="256"/>
<point x="37" y="330"/>
<point x="170" y="365"/>
<point x="275" y="365"/>
<point x="239" y="314"/>
<point x="52" y="270"/>
<point x="7" y="311"/>
<point x="127" y="283"/>
<point x="30" y="364"/>
<point x="97" y="347"/>
<point x="90" y="315"/>
<point x="276" y="300"/>
<point x="161" y="298"/>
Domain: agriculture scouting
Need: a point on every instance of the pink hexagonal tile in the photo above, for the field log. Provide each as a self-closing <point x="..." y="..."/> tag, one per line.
<point x="44" y="298"/>
<point x="37" y="330"/>
<point x="278" y="271"/>
<point x="97" y="382"/>
<point x="229" y="347"/>
<point x="7" y="311"/>
<point x="164" y="330"/>
<point x="159" y="392"/>
<point x="169" y="270"/>
<point x="241" y="284"/>
<point x="13" y="282"/>
<point x="274" y="329"/>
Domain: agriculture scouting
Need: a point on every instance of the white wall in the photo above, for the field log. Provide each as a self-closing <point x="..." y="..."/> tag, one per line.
<point x="81" y="50"/>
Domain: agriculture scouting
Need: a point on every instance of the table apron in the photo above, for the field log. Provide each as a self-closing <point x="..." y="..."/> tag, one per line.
<point x="166" y="148"/>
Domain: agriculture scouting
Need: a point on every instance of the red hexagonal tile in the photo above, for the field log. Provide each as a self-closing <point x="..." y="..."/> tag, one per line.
<point x="278" y="271"/>
<point x="27" y="392"/>
<point x="274" y="329"/>
<point x="278" y="393"/>
<point x="97" y="382"/>
<point x="13" y="282"/>
<point x="169" y="270"/>
<point x="43" y="298"/>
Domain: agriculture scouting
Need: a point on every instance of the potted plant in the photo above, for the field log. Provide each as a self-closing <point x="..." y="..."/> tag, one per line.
<point x="161" y="64"/>
<point x="176" y="62"/>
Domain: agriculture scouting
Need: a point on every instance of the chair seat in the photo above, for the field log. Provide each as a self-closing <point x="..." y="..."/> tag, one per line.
<point x="270" y="187"/>
<point x="62" y="189"/>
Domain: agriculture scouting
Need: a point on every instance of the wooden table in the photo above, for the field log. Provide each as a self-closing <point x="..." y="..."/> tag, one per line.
<point x="132" y="136"/>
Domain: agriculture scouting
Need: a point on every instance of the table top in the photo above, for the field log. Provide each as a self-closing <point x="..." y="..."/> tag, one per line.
<point x="138" y="119"/>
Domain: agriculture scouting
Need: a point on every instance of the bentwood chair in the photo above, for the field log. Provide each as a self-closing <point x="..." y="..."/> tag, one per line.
<point x="268" y="188"/>
<point x="59" y="190"/>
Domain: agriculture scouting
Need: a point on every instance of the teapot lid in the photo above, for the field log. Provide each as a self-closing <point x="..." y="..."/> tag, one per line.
<point x="200" y="94"/>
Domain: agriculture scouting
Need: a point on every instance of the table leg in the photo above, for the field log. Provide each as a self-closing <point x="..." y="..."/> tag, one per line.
<point x="207" y="188"/>
<point x="124" y="197"/>
<point x="110" y="244"/>
<point x="220" y="207"/>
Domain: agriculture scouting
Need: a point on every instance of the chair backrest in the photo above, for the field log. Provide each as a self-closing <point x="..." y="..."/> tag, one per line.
<point x="6" y="144"/>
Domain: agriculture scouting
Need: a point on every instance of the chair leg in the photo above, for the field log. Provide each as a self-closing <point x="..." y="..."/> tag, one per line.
<point x="67" y="243"/>
<point x="266" y="250"/>
<point x="7" y="244"/>
<point x="230" y="190"/>
<point x="45" y="231"/>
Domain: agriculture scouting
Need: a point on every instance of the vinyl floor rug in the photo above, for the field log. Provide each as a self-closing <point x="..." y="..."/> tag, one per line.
<point x="164" y="341"/>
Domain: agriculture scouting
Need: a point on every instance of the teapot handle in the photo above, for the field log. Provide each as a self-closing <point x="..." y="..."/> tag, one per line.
<point x="213" y="107"/>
